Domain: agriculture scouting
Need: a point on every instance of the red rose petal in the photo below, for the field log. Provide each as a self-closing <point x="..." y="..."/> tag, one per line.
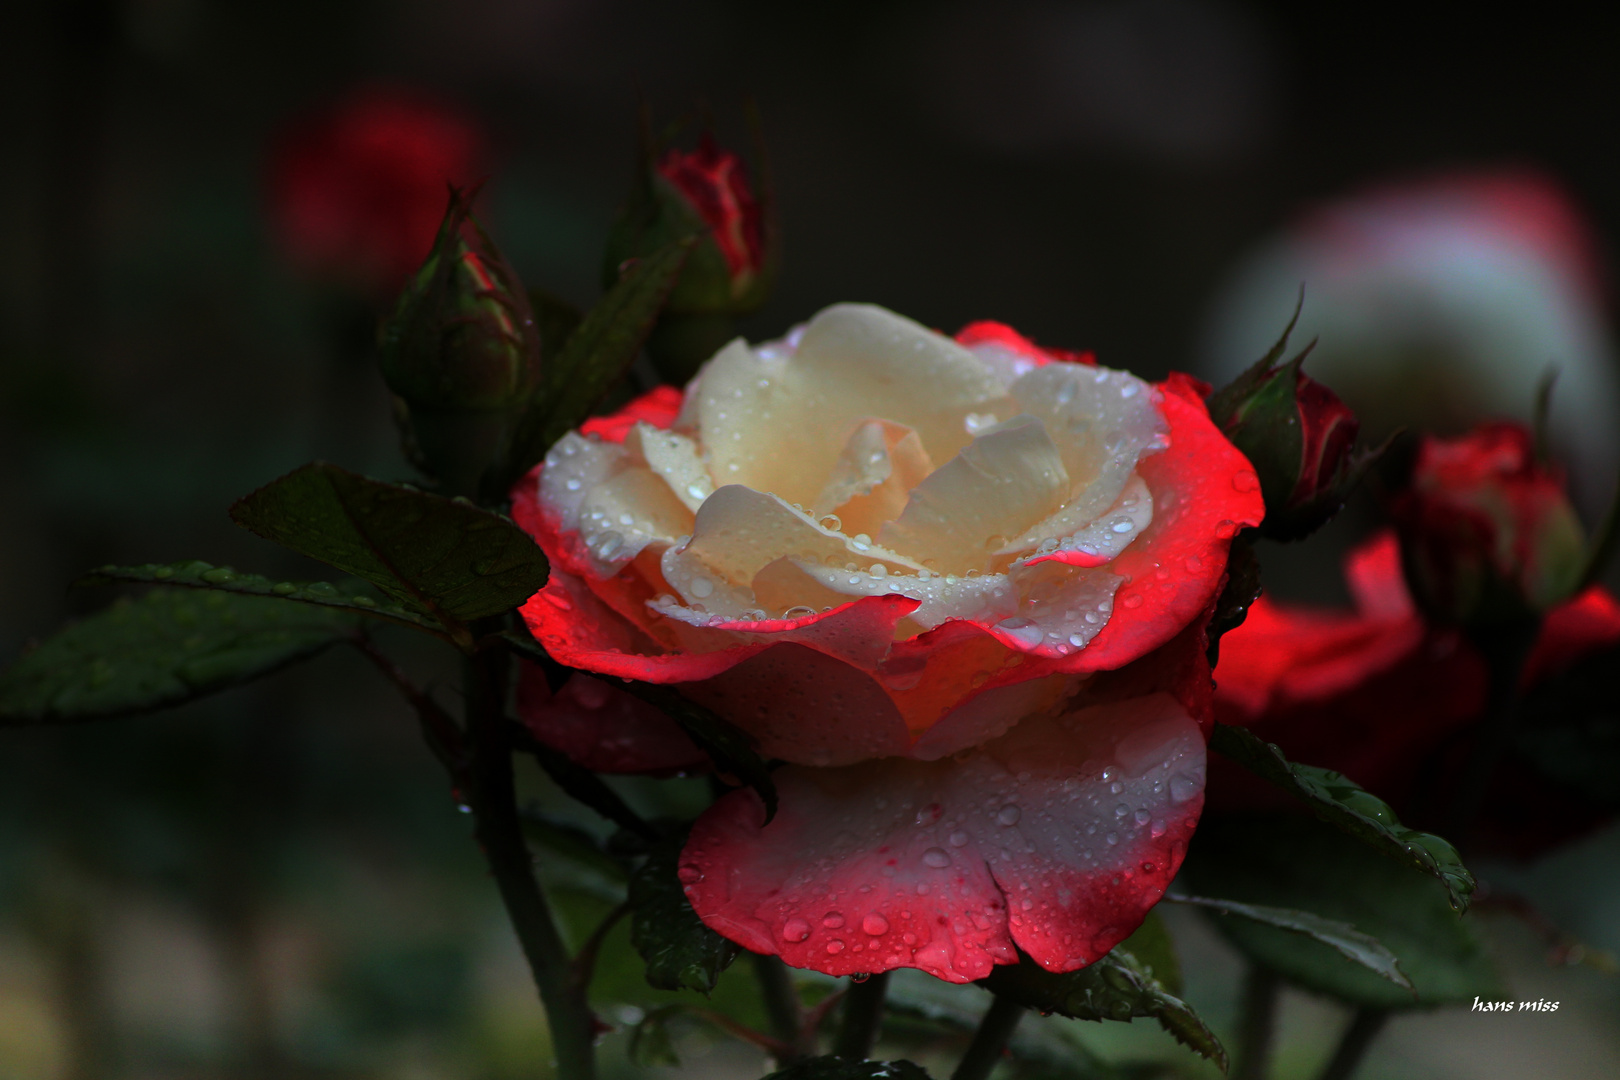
<point x="1573" y="631"/>
<point x="1057" y="837"/>
<point x="604" y="728"/>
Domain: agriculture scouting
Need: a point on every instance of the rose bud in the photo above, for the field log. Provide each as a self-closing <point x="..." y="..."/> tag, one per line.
<point x="1377" y="692"/>
<point x="959" y="587"/>
<point x="1300" y="437"/>
<point x="704" y="192"/>
<point x="1487" y="531"/>
<point x="461" y="351"/>
<point x="356" y="191"/>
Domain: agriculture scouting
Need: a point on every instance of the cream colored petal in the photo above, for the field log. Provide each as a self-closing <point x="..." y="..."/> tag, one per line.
<point x="881" y="463"/>
<point x="778" y="421"/>
<point x="575" y="466"/>
<point x="982" y="598"/>
<point x="1093" y="544"/>
<point x="705" y="593"/>
<point x="739" y="531"/>
<point x="626" y="513"/>
<point x="1061" y="607"/>
<point x="1009" y="478"/>
<point x="674" y="457"/>
<point x="1103" y="422"/>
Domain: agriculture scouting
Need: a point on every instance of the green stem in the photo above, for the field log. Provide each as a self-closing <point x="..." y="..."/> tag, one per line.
<point x="1259" y="1024"/>
<point x="494" y="804"/>
<point x="781" y="999"/>
<point x="1357" y="1039"/>
<point x="1505" y="650"/>
<point x="863" y="1016"/>
<point x="989" y="1043"/>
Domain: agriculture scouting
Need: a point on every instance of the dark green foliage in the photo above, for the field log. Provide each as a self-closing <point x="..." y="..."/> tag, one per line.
<point x="1293" y="861"/>
<point x="679" y="950"/>
<point x="165" y="648"/>
<point x="1345" y="939"/>
<point x="1120" y="986"/>
<point x="196" y="574"/>
<point x="837" y="1068"/>
<point x="583" y="785"/>
<point x="442" y="557"/>
<point x="727" y="745"/>
<point x="1342" y="803"/>
<point x="597" y="354"/>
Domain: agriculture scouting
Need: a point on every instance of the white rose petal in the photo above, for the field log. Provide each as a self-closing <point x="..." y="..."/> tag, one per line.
<point x="674" y="457"/>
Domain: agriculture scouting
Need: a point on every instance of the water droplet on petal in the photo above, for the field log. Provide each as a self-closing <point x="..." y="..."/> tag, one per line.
<point x="1009" y="814"/>
<point x="832" y="920"/>
<point x="1183" y="787"/>
<point x="795" y="930"/>
<point x="1245" y="480"/>
<point x="689" y="874"/>
<point x="875" y="924"/>
<point x="1133" y="601"/>
<point x="958" y="839"/>
<point x="700" y="587"/>
<point x="936" y="858"/>
<point x="835" y="947"/>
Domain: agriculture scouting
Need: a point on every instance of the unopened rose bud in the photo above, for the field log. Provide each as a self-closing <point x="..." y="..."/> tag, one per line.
<point x="461" y="351"/>
<point x="1300" y="438"/>
<point x="1487" y="531"/>
<point x="707" y="193"/>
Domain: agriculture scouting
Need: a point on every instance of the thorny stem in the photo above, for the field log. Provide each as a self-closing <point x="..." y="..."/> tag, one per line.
<point x="863" y="1016"/>
<point x="1358" y="1037"/>
<point x="781" y="999"/>
<point x="494" y="804"/>
<point x="1505" y="651"/>
<point x="1259" y="1024"/>
<point x="989" y="1043"/>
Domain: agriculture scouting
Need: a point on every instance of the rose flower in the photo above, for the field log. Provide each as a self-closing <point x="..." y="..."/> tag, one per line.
<point x="959" y="587"/>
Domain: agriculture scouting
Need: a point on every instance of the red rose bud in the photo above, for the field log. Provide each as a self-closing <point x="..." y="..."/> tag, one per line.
<point x="1487" y="531"/>
<point x="706" y="193"/>
<point x="461" y="351"/>
<point x="1300" y="438"/>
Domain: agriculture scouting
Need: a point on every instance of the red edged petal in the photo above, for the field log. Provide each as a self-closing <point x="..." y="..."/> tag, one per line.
<point x="658" y="407"/>
<point x="1057" y="837"/>
<point x="1573" y="631"/>
<point x="1204" y="491"/>
<point x="1373" y="572"/>
<point x="603" y="728"/>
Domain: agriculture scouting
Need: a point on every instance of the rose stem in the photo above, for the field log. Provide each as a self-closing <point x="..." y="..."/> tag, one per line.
<point x="1505" y="649"/>
<point x="1259" y="1024"/>
<point x="989" y="1043"/>
<point x="863" y="1015"/>
<point x="781" y="1001"/>
<point x="1358" y="1037"/>
<point x="494" y="804"/>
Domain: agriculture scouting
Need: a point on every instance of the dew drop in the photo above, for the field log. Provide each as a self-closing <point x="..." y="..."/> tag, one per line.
<point x="573" y="483"/>
<point x="1183" y="787"/>
<point x="1009" y="814"/>
<point x="1132" y="601"/>
<point x="1245" y="480"/>
<point x="875" y="924"/>
<point x="832" y="920"/>
<point x="689" y="874"/>
<point x="834" y="947"/>
<point x="936" y="858"/>
<point x="795" y="930"/>
<point x="958" y="839"/>
<point x="1142" y="817"/>
<point x="832" y="522"/>
<point x="701" y="587"/>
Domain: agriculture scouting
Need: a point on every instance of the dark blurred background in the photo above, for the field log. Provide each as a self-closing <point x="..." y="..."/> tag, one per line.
<point x="275" y="882"/>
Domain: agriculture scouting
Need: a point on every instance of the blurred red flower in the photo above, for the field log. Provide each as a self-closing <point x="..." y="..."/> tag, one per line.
<point x="357" y="190"/>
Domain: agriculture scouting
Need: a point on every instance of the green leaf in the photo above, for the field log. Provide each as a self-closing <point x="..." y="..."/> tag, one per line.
<point x="837" y="1068"/>
<point x="1117" y="987"/>
<point x="196" y="574"/>
<point x="1343" y="804"/>
<point x="1240" y="590"/>
<point x="679" y="950"/>
<point x="650" y="1040"/>
<point x="1293" y="861"/>
<point x="1154" y="952"/>
<point x="165" y="648"/>
<point x="443" y="557"/>
<point x="1345" y="939"/>
<point x="597" y="354"/>
<point x="1223" y="403"/>
<point x="565" y="839"/>
<point x="727" y="745"/>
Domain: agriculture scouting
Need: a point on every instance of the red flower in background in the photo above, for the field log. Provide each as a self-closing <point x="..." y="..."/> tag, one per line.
<point x="1376" y="692"/>
<point x="1488" y="530"/>
<point x="960" y="587"/>
<point x="357" y="191"/>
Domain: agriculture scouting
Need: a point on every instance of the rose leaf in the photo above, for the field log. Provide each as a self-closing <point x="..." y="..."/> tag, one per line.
<point x="196" y="574"/>
<point x="1343" y="804"/>
<point x="1364" y="949"/>
<point x="680" y="952"/>
<point x="436" y="556"/>
<point x="162" y="649"/>
<point x="596" y="354"/>
<point x="1292" y="861"/>
<point x="837" y="1068"/>
<point x="1120" y="986"/>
